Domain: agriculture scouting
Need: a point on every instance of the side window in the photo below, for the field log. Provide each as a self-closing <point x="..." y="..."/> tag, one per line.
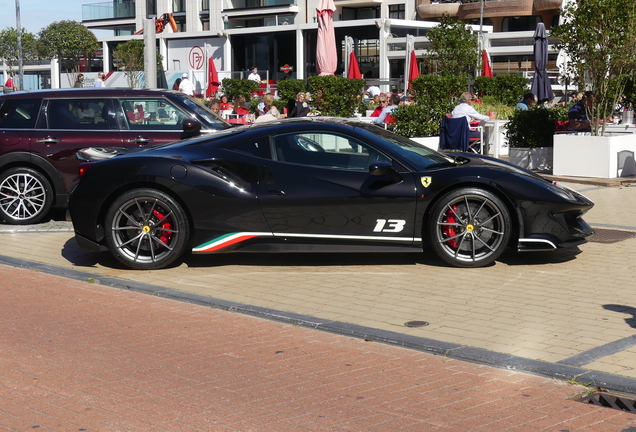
<point x="78" y="114"/>
<point x="151" y="114"/>
<point x="258" y="147"/>
<point x="326" y="150"/>
<point x="19" y="113"/>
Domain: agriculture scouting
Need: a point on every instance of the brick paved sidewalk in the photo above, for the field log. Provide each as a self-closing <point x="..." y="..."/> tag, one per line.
<point x="79" y="356"/>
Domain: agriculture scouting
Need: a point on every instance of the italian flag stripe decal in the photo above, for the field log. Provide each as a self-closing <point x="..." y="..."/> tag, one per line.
<point x="233" y="238"/>
<point x="227" y="240"/>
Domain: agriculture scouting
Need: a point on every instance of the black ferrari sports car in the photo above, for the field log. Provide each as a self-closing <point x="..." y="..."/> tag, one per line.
<point x="317" y="185"/>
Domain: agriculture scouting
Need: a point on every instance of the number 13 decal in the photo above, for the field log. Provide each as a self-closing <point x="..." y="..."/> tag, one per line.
<point x="391" y="225"/>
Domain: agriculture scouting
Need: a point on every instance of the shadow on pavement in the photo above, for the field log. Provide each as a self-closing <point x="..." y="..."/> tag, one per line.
<point x="631" y="321"/>
<point x="83" y="258"/>
<point x="539" y="258"/>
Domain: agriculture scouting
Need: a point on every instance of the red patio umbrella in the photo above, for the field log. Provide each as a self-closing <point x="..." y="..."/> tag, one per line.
<point x="414" y="69"/>
<point x="213" y="79"/>
<point x="485" y="64"/>
<point x="326" y="54"/>
<point x="354" y="69"/>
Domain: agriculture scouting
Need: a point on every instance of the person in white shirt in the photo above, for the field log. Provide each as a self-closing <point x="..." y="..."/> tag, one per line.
<point x="465" y="109"/>
<point x="186" y="86"/>
<point x="373" y="91"/>
<point x="99" y="82"/>
<point x="254" y="76"/>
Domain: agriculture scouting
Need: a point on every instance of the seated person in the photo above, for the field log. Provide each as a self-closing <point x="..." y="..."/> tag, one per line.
<point x="298" y="107"/>
<point x="382" y="103"/>
<point x="526" y="103"/>
<point x="85" y="113"/>
<point x="241" y="107"/>
<point x="465" y="109"/>
<point x="578" y="114"/>
<point x="386" y="113"/>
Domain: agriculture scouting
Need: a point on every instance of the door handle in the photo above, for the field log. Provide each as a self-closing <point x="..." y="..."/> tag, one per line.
<point x="275" y="192"/>
<point x="48" y="140"/>
<point x="140" y="140"/>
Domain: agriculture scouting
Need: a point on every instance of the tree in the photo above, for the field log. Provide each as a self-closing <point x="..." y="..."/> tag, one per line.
<point x="599" y="36"/>
<point x="129" y="57"/>
<point x="69" y="42"/>
<point x="9" y="46"/>
<point x="453" y="47"/>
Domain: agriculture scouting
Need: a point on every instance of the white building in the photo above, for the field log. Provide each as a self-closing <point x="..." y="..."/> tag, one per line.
<point x="272" y="34"/>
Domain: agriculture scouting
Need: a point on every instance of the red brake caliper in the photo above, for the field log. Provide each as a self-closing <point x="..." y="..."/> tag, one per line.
<point x="165" y="236"/>
<point x="450" y="231"/>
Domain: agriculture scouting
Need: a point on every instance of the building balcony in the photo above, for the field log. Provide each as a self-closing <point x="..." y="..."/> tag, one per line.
<point x="254" y="4"/>
<point x="426" y="9"/>
<point x="123" y="9"/>
<point x="470" y="9"/>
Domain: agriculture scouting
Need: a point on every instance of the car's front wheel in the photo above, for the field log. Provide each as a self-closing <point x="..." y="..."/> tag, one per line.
<point x="26" y="196"/>
<point x="469" y="227"/>
<point x="146" y="229"/>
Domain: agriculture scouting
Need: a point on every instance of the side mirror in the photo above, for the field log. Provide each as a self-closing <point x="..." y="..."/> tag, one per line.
<point x="191" y="128"/>
<point x="379" y="169"/>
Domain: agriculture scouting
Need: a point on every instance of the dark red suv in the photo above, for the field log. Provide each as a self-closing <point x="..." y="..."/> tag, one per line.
<point x="41" y="131"/>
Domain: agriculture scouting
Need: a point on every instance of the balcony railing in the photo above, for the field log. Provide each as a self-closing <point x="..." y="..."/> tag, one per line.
<point x="108" y="10"/>
<point x="249" y="4"/>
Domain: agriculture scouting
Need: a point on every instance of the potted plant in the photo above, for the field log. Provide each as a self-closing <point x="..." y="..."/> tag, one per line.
<point x="530" y="136"/>
<point x="599" y="37"/>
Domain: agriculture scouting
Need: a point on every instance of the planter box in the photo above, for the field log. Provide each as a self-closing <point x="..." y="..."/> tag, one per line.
<point x="539" y="158"/>
<point x="581" y="155"/>
<point x="430" y="142"/>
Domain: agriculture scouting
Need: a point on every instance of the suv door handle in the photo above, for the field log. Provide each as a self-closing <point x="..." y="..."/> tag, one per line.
<point x="48" y="140"/>
<point x="140" y="140"/>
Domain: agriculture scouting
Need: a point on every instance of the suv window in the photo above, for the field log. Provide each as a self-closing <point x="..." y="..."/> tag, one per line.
<point x="19" y="113"/>
<point x="150" y="114"/>
<point x="78" y="114"/>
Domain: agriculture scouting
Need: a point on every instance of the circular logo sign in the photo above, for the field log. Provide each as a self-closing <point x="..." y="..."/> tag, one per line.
<point x="196" y="58"/>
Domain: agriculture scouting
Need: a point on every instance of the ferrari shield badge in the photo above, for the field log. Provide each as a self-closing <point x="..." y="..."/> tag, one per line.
<point x="426" y="181"/>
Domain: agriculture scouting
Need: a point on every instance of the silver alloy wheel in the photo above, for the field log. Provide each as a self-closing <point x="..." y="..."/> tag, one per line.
<point x="145" y="230"/>
<point x="22" y="196"/>
<point x="471" y="228"/>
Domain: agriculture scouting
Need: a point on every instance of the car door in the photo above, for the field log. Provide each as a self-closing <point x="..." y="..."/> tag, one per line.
<point x="149" y="120"/>
<point x="17" y="120"/>
<point x="68" y="125"/>
<point x="318" y="186"/>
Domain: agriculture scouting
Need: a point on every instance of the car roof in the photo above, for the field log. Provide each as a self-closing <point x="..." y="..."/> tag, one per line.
<point x="88" y="92"/>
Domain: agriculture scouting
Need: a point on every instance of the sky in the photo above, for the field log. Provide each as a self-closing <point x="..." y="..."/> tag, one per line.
<point x="38" y="14"/>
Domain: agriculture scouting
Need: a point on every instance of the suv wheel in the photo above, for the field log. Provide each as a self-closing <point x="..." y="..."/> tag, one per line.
<point x="25" y="196"/>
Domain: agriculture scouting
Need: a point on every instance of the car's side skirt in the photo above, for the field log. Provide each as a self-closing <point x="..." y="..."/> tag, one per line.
<point x="234" y="239"/>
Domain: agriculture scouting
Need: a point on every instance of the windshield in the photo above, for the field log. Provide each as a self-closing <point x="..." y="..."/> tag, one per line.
<point x="418" y="155"/>
<point x="212" y="119"/>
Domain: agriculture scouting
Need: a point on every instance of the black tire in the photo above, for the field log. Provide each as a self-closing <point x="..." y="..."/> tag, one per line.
<point x="146" y="229"/>
<point x="26" y="196"/>
<point x="469" y="227"/>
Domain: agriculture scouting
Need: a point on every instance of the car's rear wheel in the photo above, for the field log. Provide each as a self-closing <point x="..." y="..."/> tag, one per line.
<point x="470" y="227"/>
<point x="26" y="196"/>
<point x="146" y="229"/>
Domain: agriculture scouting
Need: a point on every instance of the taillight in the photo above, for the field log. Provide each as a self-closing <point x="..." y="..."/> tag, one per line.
<point x="84" y="167"/>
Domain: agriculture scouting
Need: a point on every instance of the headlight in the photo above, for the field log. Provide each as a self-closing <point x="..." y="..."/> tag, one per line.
<point x="567" y="193"/>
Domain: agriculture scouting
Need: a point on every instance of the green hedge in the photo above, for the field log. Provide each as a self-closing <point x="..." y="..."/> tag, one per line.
<point x="340" y="96"/>
<point x="289" y="88"/>
<point x="507" y="89"/>
<point x="534" y="127"/>
<point x="233" y="87"/>
<point x="435" y="96"/>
